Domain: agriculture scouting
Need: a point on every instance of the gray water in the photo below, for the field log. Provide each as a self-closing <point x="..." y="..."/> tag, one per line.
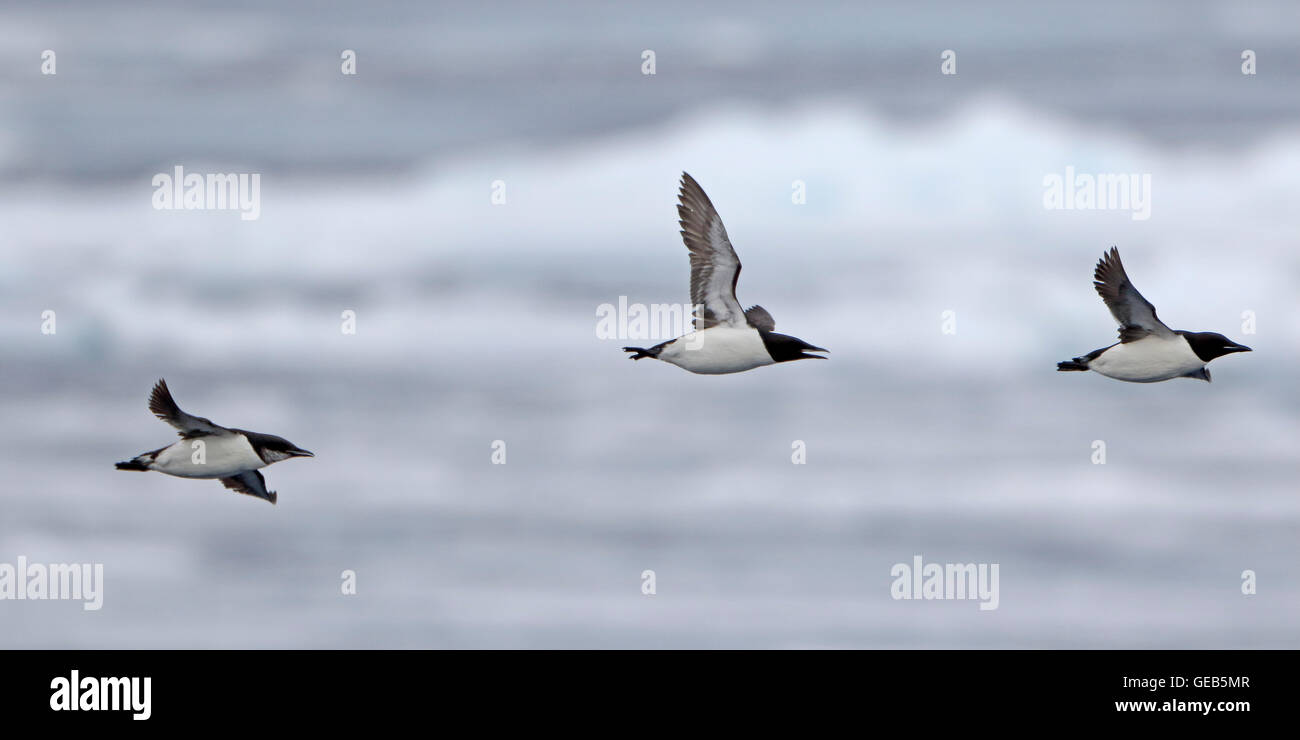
<point x="476" y="323"/>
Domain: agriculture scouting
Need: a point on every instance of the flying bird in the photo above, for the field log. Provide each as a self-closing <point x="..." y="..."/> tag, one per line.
<point x="1148" y="351"/>
<point x="232" y="456"/>
<point x="726" y="339"/>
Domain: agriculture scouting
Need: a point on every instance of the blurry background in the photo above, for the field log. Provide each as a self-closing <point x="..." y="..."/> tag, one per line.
<point x="477" y="322"/>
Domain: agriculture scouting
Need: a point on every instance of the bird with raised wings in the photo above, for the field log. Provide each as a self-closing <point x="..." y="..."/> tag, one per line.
<point x="1147" y="351"/>
<point x="207" y="450"/>
<point x="726" y="339"/>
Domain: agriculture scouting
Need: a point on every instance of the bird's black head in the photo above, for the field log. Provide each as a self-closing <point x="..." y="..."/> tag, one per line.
<point x="272" y="448"/>
<point x="1208" y="345"/>
<point x="784" y="348"/>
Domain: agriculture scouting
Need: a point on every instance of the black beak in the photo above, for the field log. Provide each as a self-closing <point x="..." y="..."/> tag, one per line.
<point x="811" y="348"/>
<point x="1238" y="348"/>
<point x="295" y="452"/>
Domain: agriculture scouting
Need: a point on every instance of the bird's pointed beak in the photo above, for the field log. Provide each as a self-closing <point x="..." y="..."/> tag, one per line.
<point x="301" y="453"/>
<point x="811" y="348"/>
<point x="1239" y="348"/>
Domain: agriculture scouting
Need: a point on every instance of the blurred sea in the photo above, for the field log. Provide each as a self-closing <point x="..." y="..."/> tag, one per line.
<point x="477" y="323"/>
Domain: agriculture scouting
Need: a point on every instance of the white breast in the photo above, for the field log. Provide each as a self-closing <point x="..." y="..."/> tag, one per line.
<point x="1148" y="360"/>
<point x="718" y="350"/>
<point x="222" y="456"/>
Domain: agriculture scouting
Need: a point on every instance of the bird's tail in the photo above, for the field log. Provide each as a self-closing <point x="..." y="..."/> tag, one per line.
<point x="140" y="462"/>
<point x="639" y="352"/>
<point x="1071" y="365"/>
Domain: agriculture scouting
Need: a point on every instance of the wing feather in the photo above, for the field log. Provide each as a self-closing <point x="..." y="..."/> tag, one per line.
<point x="1135" y="314"/>
<point x="164" y="407"/>
<point x="715" y="268"/>
<point x="759" y="318"/>
<point x="250" y="483"/>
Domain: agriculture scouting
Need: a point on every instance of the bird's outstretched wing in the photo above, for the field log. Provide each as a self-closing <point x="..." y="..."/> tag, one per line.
<point x="164" y="407"/>
<point x="249" y="482"/>
<point x="1135" y="314"/>
<point x="715" y="268"/>
<point x="759" y="318"/>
